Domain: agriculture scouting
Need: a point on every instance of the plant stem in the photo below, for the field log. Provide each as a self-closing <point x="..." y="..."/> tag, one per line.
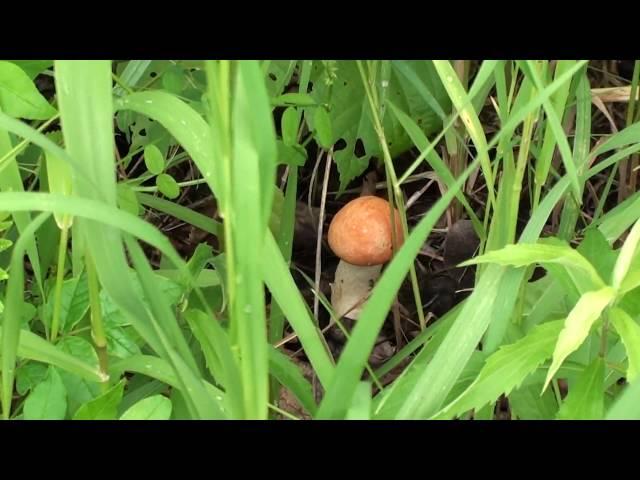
<point x="97" y="325"/>
<point x="394" y="191"/>
<point x="57" y="306"/>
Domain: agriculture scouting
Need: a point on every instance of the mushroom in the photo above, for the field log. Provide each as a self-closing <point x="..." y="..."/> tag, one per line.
<point x="360" y="234"/>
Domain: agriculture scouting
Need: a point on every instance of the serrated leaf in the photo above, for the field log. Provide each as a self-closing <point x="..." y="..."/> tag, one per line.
<point x="322" y="125"/>
<point x="506" y="369"/>
<point x="585" y="400"/>
<point x="629" y="332"/>
<point x="19" y="97"/>
<point x="153" y="159"/>
<point x="48" y="399"/>
<point x="157" y="407"/>
<point x="578" y="325"/>
<point x="526" y="403"/>
<point x="29" y="375"/>
<point x="595" y="248"/>
<point x="167" y="186"/>
<point x="583" y="274"/>
<point x="289" y="126"/>
<point x="104" y="407"/>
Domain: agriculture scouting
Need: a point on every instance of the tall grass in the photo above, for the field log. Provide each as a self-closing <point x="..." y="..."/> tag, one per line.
<point x="211" y="348"/>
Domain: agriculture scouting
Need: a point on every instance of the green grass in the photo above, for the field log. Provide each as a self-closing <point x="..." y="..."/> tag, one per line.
<point x="95" y="284"/>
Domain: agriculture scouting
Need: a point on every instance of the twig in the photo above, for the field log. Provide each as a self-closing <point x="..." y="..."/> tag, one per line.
<point x="325" y="184"/>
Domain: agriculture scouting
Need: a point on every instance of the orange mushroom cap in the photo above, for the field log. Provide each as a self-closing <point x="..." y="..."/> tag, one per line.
<point x="360" y="233"/>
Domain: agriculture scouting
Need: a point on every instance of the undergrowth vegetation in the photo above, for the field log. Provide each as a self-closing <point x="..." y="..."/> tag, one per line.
<point x="164" y="255"/>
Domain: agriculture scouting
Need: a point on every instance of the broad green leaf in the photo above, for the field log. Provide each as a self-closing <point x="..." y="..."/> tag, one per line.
<point x="578" y="325"/>
<point x="219" y="358"/>
<point x="322" y="125"/>
<point x="157" y="407"/>
<point x="33" y="67"/>
<point x="585" y="400"/>
<point x="173" y="80"/>
<point x="278" y="75"/>
<point x="153" y="159"/>
<point x="74" y="302"/>
<point x="48" y="400"/>
<point x="29" y="375"/>
<point x="595" y="248"/>
<point x="289" y="125"/>
<point x="544" y="300"/>
<point x="119" y="342"/>
<point x="507" y="368"/>
<point x="291" y="155"/>
<point x="19" y="97"/>
<point x="33" y="347"/>
<point x="79" y="390"/>
<point x="526" y="403"/>
<point x="350" y="115"/>
<point x="296" y="99"/>
<point x="160" y="369"/>
<point x="627" y="406"/>
<point x="104" y="407"/>
<point x="629" y="332"/>
<point x="168" y="186"/>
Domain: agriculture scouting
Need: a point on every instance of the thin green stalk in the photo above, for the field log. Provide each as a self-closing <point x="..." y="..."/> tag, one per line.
<point x="394" y="191"/>
<point x="25" y="143"/>
<point x="186" y="183"/>
<point x="57" y="306"/>
<point x="97" y="325"/>
<point x="521" y="163"/>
